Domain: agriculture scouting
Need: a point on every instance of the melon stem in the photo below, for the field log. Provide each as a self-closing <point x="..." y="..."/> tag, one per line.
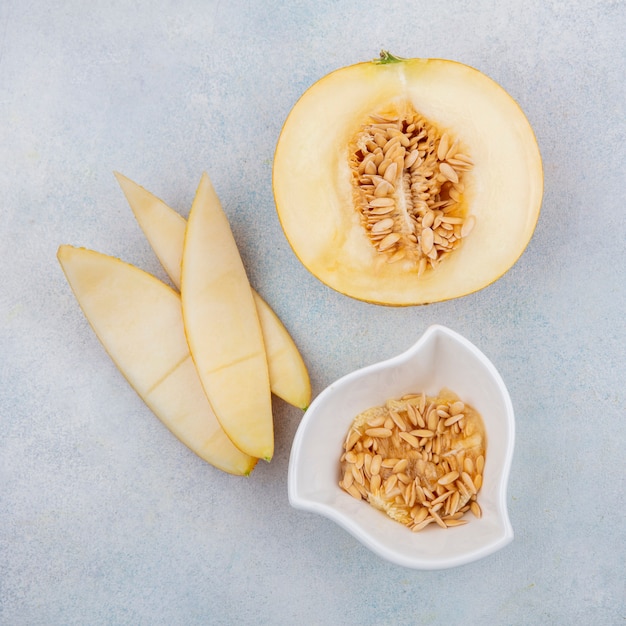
<point x="386" y="57"/>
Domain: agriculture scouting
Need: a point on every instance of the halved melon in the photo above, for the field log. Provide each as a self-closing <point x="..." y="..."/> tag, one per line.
<point x="407" y="181"/>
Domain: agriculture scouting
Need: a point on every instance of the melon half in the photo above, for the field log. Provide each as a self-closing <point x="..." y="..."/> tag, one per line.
<point x="407" y="181"/>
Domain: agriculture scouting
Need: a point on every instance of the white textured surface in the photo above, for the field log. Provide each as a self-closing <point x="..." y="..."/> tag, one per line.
<point x="104" y="517"/>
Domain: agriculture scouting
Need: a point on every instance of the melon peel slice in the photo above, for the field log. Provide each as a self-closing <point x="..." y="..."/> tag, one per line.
<point x="138" y="320"/>
<point x="222" y="327"/>
<point x="164" y="229"/>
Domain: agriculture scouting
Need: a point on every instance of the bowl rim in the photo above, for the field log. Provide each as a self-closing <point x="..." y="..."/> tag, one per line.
<point x="300" y="502"/>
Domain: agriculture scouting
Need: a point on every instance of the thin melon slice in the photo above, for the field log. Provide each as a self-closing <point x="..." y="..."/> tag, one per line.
<point x="222" y="327"/>
<point x="165" y="230"/>
<point x="138" y="320"/>
<point x="407" y="181"/>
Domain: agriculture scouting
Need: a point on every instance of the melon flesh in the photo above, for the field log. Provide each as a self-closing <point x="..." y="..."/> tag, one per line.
<point x="138" y="320"/>
<point x="165" y="230"/>
<point x="223" y="329"/>
<point x="314" y="192"/>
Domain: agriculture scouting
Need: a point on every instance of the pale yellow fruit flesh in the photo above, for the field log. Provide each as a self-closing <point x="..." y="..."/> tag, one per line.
<point x="163" y="227"/>
<point x="289" y="378"/>
<point x="138" y="320"/>
<point x="313" y="188"/>
<point x="222" y="327"/>
<point x="165" y="230"/>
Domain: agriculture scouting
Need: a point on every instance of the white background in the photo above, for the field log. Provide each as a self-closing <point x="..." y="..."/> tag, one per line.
<point x="104" y="517"/>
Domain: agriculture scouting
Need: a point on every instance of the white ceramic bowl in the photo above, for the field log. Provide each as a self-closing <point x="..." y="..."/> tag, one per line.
<point x="441" y="358"/>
